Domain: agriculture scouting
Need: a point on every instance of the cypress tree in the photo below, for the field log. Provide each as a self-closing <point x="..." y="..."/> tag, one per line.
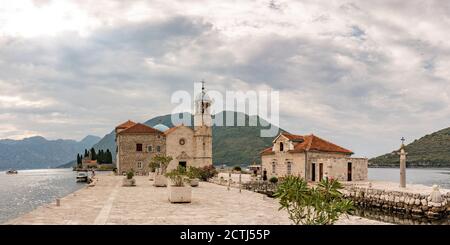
<point x="108" y="156"/>
<point x="86" y="154"/>
<point x="93" y="154"/>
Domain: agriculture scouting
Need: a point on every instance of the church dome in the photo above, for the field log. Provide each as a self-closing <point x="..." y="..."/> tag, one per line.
<point x="161" y="127"/>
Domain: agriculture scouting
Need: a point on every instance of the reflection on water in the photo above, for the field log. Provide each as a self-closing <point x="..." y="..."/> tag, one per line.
<point x="29" y="189"/>
<point x="422" y="176"/>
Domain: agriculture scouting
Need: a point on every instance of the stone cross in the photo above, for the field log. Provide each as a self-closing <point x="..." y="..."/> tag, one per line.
<point x="402" y="164"/>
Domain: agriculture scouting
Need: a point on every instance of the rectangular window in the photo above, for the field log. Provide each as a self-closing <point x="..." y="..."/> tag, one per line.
<point x="273" y="167"/>
<point x="158" y="148"/>
<point x="138" y="147"/>
<point x="289" y="168"/>
<point x="149" y="148"/>
<point x="139" y="165"/>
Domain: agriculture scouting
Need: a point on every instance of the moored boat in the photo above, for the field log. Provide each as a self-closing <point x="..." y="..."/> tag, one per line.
<point x="12" y="171"/>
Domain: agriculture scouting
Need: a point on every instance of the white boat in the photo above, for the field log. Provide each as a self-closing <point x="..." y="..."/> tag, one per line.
<point x="82" y="176"/>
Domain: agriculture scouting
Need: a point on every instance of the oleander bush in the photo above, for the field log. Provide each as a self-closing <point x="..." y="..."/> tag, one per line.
<point x="319" y="205"/>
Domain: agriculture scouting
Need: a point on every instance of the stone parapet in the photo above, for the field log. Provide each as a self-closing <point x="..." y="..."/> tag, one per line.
<point x="414" y="204"/>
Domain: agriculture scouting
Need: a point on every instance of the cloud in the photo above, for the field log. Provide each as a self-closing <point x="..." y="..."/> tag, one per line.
<point x="360" y="73"/>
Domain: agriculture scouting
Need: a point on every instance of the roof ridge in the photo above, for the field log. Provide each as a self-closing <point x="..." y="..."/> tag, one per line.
<point x="329" y="142"/>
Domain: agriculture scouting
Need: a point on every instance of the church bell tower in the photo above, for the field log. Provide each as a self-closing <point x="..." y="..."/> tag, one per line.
<point x="202" y="129"/>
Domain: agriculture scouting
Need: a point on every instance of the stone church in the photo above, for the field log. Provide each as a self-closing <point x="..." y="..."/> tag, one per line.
<point x="312" y="158"/>
<point x="137" y="143"/>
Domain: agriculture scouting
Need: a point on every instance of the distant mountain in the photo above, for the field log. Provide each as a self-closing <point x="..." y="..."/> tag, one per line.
<point x="238" y="145"/>
<point x="432" y="150"/>
<point x="38" y="152"/>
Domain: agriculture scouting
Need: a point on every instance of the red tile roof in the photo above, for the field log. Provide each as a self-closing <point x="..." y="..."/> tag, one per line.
<point x="172" y="129"/>
<point x="126" y="124"/>
<point x="310" y="143"/>
<point x="140" y="128"/>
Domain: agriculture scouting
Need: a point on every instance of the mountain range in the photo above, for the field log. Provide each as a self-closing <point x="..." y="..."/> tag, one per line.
<point x="38" y="152"/>
<point x="432" y="150"/>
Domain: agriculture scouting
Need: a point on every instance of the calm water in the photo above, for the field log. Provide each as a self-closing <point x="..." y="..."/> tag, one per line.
<point x="23" y="192"/>
<point x="427" y="177"/>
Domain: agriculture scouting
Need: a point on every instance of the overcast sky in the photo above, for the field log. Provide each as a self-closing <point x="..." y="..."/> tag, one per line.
<point x="359" y="73"/>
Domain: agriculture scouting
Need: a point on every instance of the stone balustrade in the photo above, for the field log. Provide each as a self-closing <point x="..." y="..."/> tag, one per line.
<point x="414" y="204"/>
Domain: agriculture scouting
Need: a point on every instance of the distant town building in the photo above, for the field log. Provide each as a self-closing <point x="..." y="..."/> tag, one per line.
<point x="137" y="143"/>
<point x="87" y="162"/>
<point x="312" y="158"/>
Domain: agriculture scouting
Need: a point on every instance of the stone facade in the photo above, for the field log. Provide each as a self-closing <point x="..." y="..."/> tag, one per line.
<point x="180" y="146"/>
<point x="311" y="158"/>
<point x="129" y="157"/>
<point x="187" y="146"/>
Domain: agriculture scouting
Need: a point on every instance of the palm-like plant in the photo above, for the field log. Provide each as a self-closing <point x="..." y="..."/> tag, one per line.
<point x="321" y="205"/>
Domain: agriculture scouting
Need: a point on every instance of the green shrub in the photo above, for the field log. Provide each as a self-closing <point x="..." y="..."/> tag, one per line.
<point x="207" y="172"/>
<point x="237" y="169"/>
<point x="130" y="174"/>
<point x="178" y="176"/>
<point x="273" y="180"/>
<point x="321" y="205"/>
<point x="160" y="162"/>
<point x="194" y="173"/>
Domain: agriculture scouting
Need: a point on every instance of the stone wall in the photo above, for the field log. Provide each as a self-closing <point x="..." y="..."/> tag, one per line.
<point x="333" y="165"/>
<point x="128" y="157"/>
<point x="414" y="204"/>
<point x="180" y="146"/>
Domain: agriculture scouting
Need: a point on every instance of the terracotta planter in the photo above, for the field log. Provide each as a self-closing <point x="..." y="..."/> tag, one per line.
<point x="194" y="182"/>
<point x="180" y="194"/>
<point x="128" y="182"/>
<point x="160" y="181"/>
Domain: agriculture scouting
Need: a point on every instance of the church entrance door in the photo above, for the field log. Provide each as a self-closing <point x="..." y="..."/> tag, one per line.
<point x="313" y="172"/>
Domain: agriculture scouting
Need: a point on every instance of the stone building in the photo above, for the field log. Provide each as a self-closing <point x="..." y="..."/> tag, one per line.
<point x="312" y="158"/>
<point x="137" y="143"/>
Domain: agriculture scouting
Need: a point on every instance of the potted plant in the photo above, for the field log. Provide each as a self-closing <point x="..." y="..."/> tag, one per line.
<point x="194" y="174"/>
<point x="129" y="180"/>
<point x="152" y="166"/>
<point x="178" y="192"/>
<point x="161" y="162"/>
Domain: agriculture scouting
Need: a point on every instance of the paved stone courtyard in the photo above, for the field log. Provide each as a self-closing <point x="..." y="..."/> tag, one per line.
<point x="109" y="203"/>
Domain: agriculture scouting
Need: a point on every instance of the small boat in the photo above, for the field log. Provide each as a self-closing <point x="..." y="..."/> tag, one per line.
<point x="82" y="176"/>
<point x="12" y="171"/>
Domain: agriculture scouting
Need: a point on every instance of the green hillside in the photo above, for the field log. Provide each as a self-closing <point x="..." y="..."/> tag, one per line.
<point x="239" y="145"/>
<point x="432" y="150"/>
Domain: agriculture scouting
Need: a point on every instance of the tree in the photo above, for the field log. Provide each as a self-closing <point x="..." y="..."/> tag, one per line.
<point x="100" y="157"/>
<point x="86" y="154"/>
<point x="160" y="162"/>
<point x="321" y="205"/>
<point x="93" y="154"/>
<point x="78" y="159"/>
<point x="108" y="156"/>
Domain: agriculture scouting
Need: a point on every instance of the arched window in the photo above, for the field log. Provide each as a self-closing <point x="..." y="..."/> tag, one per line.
<point x="273" y="167"/>
<point x="281" y="146"/>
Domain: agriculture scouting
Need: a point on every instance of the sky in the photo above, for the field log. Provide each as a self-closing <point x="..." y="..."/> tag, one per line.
<point x="361" y="74"/>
